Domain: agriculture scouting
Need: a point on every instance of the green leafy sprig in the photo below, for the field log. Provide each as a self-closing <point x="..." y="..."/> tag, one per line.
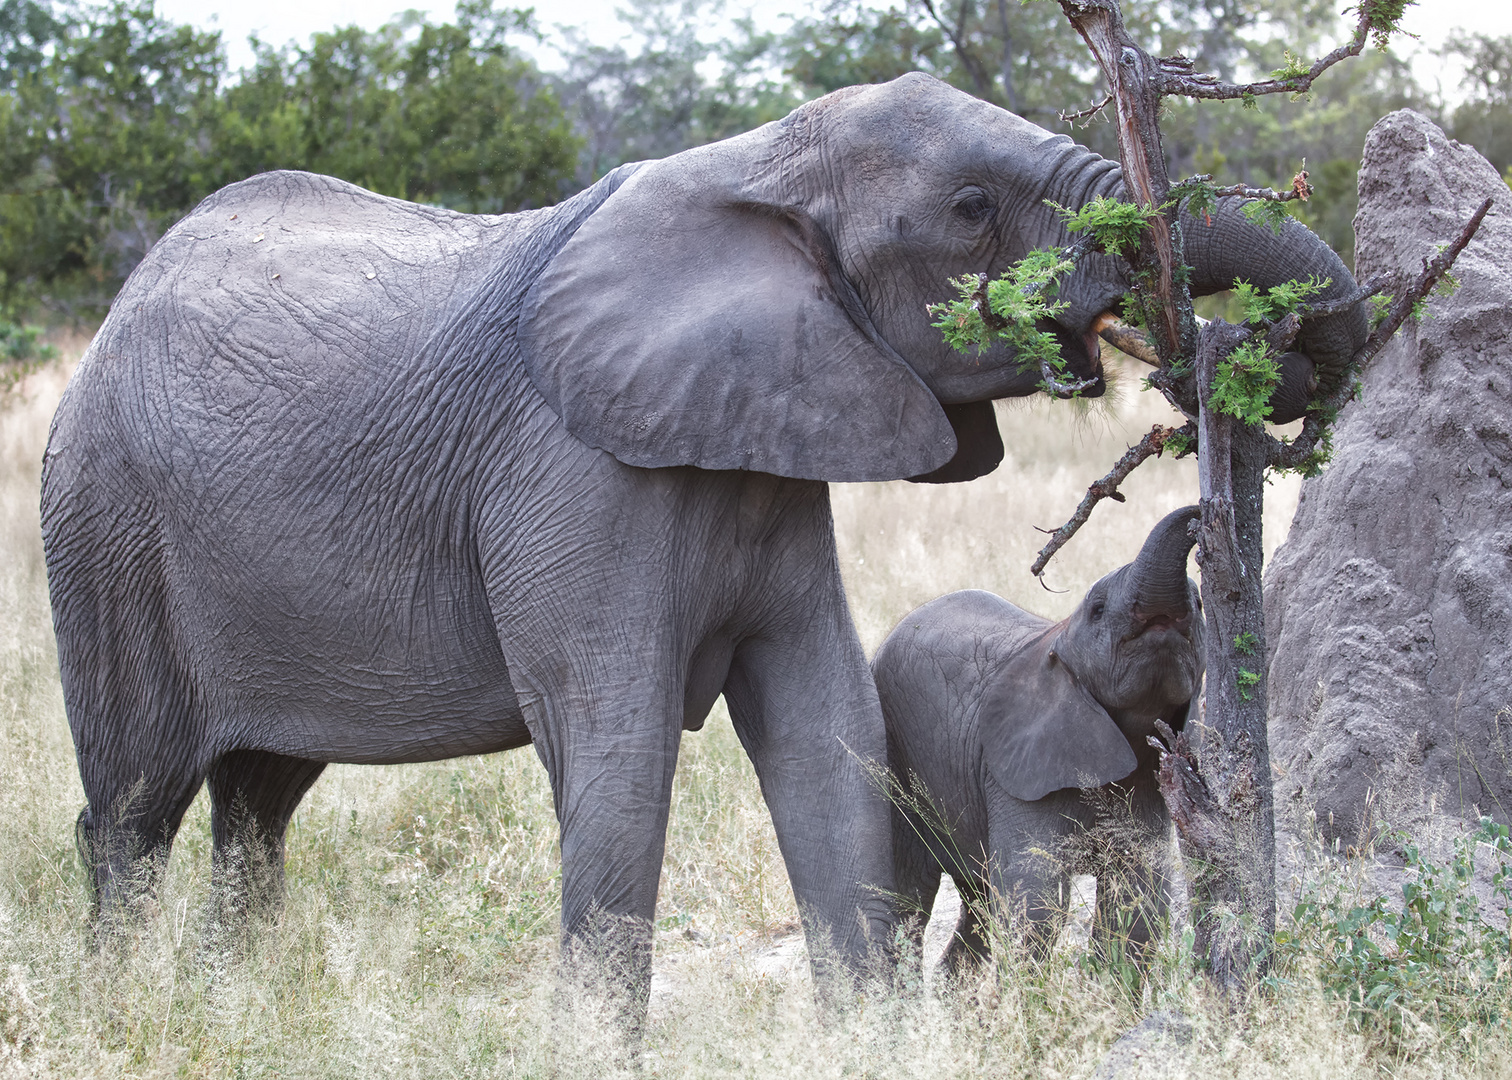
<point x="1269" y="305"/>
<point x="1007" y="309"/>
<point x="1270" y="213"/>
<point x="1245" y="380"/>
<point x="1117" y="226"/>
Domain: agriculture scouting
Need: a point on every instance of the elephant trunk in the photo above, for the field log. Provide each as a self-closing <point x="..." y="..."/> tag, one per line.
<point x="1226" y="247"/>
<point x="1157" y="579"/>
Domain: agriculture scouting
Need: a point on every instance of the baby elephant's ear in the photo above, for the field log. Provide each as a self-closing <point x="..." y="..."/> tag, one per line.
<point x="697" y="318"/>
<point x="1041" y="731"/>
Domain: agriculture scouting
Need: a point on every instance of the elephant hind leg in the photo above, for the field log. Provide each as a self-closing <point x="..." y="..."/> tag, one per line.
<point x="253" y="795"/>
<point x="128" y="684"/>
<point x="124" y="836"/>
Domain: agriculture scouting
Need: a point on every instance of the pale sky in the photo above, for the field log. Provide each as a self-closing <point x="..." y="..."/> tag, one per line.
<point x="278" y="21"/>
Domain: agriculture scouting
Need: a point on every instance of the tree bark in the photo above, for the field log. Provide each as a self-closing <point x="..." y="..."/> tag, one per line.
<point x="1133" y="82"/>
<point x="1234" y="890"/>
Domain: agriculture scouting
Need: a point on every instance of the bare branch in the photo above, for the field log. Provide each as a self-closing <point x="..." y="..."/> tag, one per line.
<point x="968" y="60"/>
<point x="1300" y="189"/>
<point x="990" y="319"/>
<point x="1071" y="118"/>
<point x="1280" y="334"/>
<point x="1132" y="79"/>
<point x="1293" y="454"/>
<point x="1056" y="387"/>
<point x="1176" y="76"/>
<point x="1152" y="445"/>
<point x="1344" y="303"/>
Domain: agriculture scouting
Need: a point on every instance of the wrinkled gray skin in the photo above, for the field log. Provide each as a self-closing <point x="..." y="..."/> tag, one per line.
<point x="996" y="719"/>
<point x="348" y="479"/>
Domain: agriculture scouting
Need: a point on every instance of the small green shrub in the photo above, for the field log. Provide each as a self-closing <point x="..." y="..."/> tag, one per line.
<point x="1435" y="959"/>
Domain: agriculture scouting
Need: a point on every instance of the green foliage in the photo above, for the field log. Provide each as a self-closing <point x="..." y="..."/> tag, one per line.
<point x="1484" y="118"/>
<point x="1181" y="444"/>
<point x="445" y="114"/>
<point x="1380" y="307"/>
<point x="1008" y="310"/>
<point x="1024" y="57"/>
<point x="1246" y="643"/>
<point x="1247" y="680"/>
<point x="1384" y="16"/>
<point x="1245" y="380"/>
<point x="1199" y="193"/>
<point x="1268" y="305"/>
<point x="119" y="122"/>
<point x="1445" y="287"/>
<point x="1118" y="226"/>
<point x="1294" y="68"/>
<point x="1434" y="958"/>
<point x="1267" y="212"/>
<point x="20" y="352"/>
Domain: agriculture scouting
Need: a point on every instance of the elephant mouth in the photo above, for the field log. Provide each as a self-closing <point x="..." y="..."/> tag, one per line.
<point x="1158" y="624"/>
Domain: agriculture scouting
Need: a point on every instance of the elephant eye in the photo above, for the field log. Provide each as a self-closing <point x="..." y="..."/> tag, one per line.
<point x="973" y="207"/>
<point x="1097" y="610"/>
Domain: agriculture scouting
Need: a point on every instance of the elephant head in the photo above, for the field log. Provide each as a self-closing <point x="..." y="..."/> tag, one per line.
<point x="1071" y="709"/>
<point x="760" y="303"/>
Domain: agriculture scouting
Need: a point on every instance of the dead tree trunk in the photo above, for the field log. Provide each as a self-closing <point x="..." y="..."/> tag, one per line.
<point x="1234" y="898"/>
<point x="1223" y="814"/>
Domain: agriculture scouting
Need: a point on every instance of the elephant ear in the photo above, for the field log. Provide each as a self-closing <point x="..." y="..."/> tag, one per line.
<point x="697" y="319"/>
<point x="1042" y="731"/>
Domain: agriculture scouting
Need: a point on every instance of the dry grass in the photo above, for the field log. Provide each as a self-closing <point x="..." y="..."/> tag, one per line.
<point x="418" y="936"/>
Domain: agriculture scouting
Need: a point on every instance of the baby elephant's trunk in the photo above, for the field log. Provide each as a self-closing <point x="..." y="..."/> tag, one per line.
<point x="1158" y="577"/>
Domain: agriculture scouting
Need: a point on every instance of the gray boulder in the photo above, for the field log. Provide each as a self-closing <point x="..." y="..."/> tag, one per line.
<point x="1389" y="608"/>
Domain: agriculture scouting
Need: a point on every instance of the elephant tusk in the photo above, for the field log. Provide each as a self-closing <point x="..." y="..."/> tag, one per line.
<point x="1126" y="338"/>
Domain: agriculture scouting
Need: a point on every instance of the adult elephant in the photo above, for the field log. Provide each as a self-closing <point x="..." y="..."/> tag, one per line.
<point x="344" y="478"/>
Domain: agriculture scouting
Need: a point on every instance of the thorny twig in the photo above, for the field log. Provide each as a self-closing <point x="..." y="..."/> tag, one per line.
<point x="1053" y="383"/>
<point x="1344" y="303"/>
<point x="1071" y="118"/>
<point x="1152" y="445"/>
<point x="1291" y="455"/>
<point x="995" y="323"/>
<point x="1301" y="188"/>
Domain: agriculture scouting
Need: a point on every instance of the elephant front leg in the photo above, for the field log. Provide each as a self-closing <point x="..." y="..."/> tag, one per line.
<point x="612" y="782"/>
<point x="1029" y="885"/>
<point x="807" y="712"/>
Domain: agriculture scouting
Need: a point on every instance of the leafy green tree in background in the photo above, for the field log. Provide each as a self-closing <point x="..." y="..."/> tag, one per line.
<point x="1485" y="120"/>
<point x="115" y="122"/>
<point x="106" y="132"/>
<point x="680" y="88"/>
<point x="449" y="114"/>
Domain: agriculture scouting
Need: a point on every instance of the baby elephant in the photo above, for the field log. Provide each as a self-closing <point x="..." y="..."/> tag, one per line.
<point x="996" y="719"/>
